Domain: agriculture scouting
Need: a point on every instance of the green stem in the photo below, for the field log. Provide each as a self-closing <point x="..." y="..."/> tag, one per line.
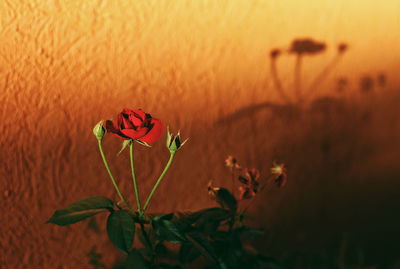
<point x="171" y="157"/>
<point x="103" y="156"/>
<point x="134" y="177"/>
<point x="146" y="236"/>
<point x="148" y="241"/>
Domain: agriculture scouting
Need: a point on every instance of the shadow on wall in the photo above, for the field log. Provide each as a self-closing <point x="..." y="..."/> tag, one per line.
<point x="342" y="156"/>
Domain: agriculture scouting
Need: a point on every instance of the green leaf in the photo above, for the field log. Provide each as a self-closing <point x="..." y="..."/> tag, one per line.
<point x="168" y="230"/>
<point x="135" y="260"/>
<point x="211" y="214"/>
<point x="121" y="229"/>
<point x="201" y="243"/>
<point x="247" y="232"/>
<point x="229" y="251"/>
<point x="150" y="235"/>
<point x="263" y="260"/>
<point x="187" y="253"/>
<point x="168" y="216"/>
<point x="168" y="266"/>
<point x="80" y="210"/>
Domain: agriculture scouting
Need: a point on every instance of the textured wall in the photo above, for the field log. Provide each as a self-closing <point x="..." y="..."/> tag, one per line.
<point x="66" y="64"/>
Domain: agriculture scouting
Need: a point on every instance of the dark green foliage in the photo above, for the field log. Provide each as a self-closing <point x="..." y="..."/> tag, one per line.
<point x="200" y="242"/>
<point x="226" y="199"/>
<point x="135" y="260"/>
<point x="81" y="210"/>
<point x="214" y="237"/>
<point x="246" y="232"/>
<point x="121" y="229"/>
<point x="168" y="229"/>
<point x="188" y="253"/>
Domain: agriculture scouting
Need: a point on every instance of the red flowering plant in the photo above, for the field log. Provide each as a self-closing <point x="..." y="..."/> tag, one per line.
<point x="211" y="238"/>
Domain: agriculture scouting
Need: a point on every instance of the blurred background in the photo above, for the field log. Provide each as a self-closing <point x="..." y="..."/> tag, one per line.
<point x="312" y="84"/>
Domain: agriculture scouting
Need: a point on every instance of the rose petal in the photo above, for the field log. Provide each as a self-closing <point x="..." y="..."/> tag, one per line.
<point x="127" y="124"/>
<point x="110" y="127"/>
<point x="136" y="119"/>
<point x="154" y="133"/>
<point x="139" y="113"/>
<point x="127" y="111"/>
<point x="134" y="115"/>
<point x="134" y="134"/>
<point x="119" y="123"/>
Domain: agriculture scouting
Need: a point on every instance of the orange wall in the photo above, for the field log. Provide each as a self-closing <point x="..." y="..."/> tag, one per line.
<point x="66" y="64"/>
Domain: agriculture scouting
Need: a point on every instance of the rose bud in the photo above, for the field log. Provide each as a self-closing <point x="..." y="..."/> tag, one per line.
<point x="174" y="142"/>
<point x="99" y="130"/>
<point x="134" y="124"/>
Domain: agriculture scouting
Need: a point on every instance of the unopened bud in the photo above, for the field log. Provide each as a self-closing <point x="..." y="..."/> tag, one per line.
<point x="174" y="142"/>
<point x="99" y="130"/>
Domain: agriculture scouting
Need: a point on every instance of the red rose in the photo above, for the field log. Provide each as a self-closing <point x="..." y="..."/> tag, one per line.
<point x="135" y="124"/>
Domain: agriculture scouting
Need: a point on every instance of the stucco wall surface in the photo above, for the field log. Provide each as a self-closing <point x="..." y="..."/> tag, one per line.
<point x="64" y="65"/>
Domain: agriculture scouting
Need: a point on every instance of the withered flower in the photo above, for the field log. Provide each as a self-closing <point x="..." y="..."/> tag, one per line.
<point x="279" y="174"/>
<point x="246" y="193"/>
<point x="251" y="182"/>
<point x="232" y="162"/>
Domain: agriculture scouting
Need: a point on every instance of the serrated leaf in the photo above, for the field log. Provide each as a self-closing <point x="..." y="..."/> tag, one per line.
<point x="135" y="260"/>
<point x="121" y="230"/>
<point x="81" y="210"/>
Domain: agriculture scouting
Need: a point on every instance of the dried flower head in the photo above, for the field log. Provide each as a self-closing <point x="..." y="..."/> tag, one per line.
<point x="231" y="162"/>
<point x="246" y="193"/>
<point x="279" y="174"/>
<point x="251" y="181"/>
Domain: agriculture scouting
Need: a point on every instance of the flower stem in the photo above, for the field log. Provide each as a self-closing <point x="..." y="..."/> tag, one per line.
<point x="134" y="177"/>
<point x="171" y="157"/>
<point x="103" y="156"/>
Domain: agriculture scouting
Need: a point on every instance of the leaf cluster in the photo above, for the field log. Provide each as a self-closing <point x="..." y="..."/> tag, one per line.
<point x="213" y="237"/>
